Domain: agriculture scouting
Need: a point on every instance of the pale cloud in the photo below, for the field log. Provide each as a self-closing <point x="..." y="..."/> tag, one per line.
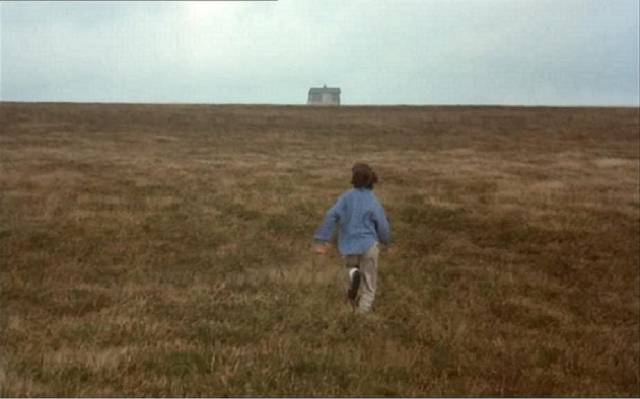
<point x="416" y="52"/>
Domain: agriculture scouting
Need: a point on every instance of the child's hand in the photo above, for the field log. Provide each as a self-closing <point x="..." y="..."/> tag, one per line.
<point x="321" y="248"/>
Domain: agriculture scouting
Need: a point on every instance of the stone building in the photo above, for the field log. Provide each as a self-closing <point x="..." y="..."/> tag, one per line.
<point x="324" y="96"/>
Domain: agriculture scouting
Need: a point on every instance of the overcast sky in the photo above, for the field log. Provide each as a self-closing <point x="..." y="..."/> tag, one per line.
<point x="530" y="52"/>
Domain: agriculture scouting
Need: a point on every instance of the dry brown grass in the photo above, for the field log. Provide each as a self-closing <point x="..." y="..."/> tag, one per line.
<point x="164" y="251"/>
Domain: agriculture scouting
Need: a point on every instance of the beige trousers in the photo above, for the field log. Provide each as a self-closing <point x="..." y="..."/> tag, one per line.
<point x="367" y="263"/>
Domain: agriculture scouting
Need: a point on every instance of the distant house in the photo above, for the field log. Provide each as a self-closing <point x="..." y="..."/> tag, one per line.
<point x="324" y="96"/>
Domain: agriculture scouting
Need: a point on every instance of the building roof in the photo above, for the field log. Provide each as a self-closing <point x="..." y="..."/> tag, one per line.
<point x="325" y="89"/>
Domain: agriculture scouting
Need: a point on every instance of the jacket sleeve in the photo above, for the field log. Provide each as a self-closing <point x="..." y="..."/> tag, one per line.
<point x="331" y="219"/>
<point x="383" y="227"/>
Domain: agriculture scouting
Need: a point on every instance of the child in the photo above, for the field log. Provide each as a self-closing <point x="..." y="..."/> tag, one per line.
<point x="362" y="225"/>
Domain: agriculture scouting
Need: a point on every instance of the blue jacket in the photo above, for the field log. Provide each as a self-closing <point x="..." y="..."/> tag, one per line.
<point x="361" y="219"/>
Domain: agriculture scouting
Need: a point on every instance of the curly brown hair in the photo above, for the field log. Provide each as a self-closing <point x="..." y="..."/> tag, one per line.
<point x="363" y="176"/>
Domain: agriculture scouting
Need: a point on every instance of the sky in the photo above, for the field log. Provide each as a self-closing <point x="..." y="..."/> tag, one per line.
<point x="505" y="52"/>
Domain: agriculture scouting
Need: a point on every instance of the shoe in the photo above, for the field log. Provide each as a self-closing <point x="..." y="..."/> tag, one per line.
<point x="352" y="292"/>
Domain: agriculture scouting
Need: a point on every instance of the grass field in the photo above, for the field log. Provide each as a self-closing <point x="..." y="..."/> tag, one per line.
<point x="164" y="250"/>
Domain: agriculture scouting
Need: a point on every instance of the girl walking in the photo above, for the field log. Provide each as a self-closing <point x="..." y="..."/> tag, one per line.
<point x="362" y="226"/>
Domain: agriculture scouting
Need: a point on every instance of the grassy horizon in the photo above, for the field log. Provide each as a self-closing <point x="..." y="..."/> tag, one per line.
<point x="164" y="250"/>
